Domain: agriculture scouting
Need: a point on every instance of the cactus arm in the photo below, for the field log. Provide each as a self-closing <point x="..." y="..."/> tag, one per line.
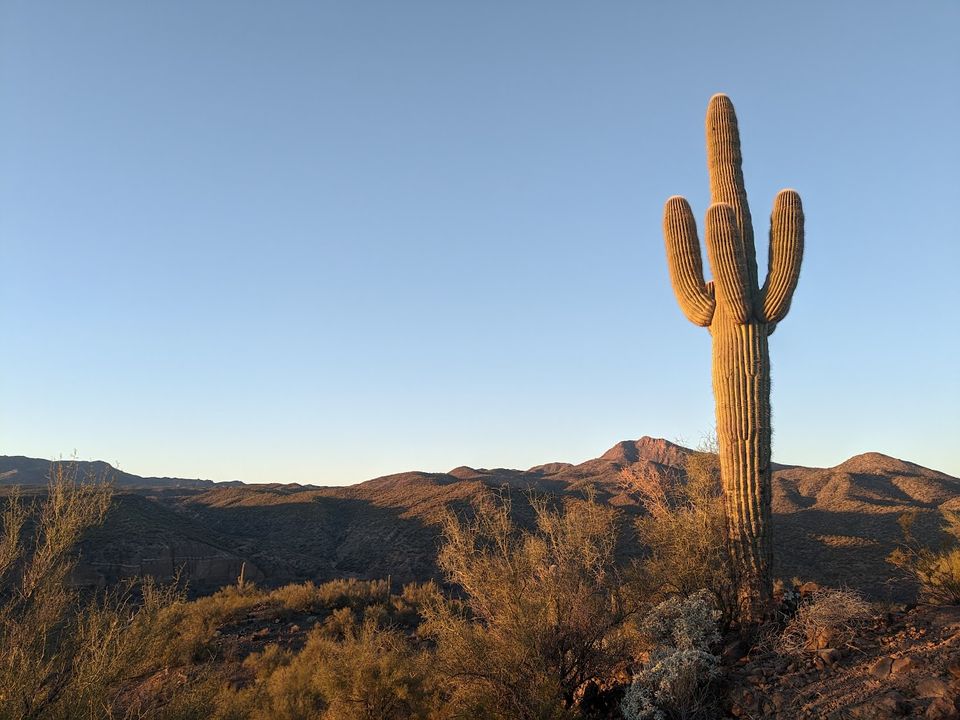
<point x="786" y="254"/>
<point x="728" y="263"/>
<point x="724" y="163"/>
<point x="740" y="317"/>
<point x="686" y="266"/>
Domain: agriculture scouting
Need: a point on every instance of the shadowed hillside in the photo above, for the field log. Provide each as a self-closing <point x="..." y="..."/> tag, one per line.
<point x="833" y="525"/>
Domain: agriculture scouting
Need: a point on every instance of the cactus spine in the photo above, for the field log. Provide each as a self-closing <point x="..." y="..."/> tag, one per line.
<point x="740" y="316"/>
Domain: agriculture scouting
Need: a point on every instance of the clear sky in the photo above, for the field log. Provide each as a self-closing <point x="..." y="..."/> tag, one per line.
<point x="324" y="241"/>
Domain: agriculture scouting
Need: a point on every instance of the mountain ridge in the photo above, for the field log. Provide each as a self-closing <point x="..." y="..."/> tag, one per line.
<point x="834" y="525"/>
<point x="28" y="471"/>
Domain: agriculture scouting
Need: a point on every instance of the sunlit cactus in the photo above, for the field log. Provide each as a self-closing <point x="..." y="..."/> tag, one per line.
<point x="740" y="315"/>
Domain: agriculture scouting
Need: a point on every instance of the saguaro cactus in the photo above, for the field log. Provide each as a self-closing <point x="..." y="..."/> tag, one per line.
<point x="740" y="315"/>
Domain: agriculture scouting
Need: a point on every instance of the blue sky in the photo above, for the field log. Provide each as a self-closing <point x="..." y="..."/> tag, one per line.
<point x="320" y="242"/>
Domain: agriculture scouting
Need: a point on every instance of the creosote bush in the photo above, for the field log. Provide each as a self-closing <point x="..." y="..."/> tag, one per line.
<point x="684" y="530"/>
<point x="935" y="570"/>
<point x="349" y="669"/>
<point x="542" y="611"/>
<point x="65" y="654"/>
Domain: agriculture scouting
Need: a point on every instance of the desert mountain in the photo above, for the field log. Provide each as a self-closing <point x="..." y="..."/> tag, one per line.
<point x="834" y="525"/>
<point x="26" y="472"/>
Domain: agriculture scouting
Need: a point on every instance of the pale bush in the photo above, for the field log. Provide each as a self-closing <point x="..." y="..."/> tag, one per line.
<point x="683" y="624"/>
<point x="193" y="626"/>
<point x="676" y="680"/>
<point x="826" y="618"/>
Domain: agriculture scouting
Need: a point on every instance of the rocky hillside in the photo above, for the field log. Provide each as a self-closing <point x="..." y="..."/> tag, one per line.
<point x="832" y="525"/>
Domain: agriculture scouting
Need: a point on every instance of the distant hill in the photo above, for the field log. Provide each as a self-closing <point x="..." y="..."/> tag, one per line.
<point x="834" y="525"/>
<point x="30" y="472"/>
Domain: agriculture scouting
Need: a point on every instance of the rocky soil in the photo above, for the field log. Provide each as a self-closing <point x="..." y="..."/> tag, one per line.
<point x="904" y="664"/>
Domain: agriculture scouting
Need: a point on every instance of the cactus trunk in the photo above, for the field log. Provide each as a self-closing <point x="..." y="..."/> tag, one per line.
<point x="741" y="386"/>
<point x="740" y="316"/>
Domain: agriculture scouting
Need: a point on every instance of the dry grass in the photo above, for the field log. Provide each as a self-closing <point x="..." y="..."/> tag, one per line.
<point x="826" y="619"/>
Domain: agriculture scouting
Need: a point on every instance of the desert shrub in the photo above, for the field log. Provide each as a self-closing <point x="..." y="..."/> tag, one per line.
<point x="542" y="610"/>
<point x="676" y="679"/>
<point x="192" y="626"/>
<point x="825" y="618"/>
<point x="935" y="570"/>
<point x="348" y="670"/>
<point x="296" y="597"/>
<point x="66" y="653"/>
<point x="684" y="529"/>
<point x="37" y="603"/>
<point x="343" y="592"/>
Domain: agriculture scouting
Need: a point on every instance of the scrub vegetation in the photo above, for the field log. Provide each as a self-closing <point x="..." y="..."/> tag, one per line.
<point x="540" y="619"/>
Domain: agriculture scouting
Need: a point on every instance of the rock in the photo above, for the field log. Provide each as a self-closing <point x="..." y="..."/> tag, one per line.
<point x="946" y="619"/>
<point x="889" y="705"/>
<point x="734" y="651"/>
<point x="902" y="665"/>
<point x="881" y="668"/>
<point x="823" y="639"/>
<point x="830" y="655"/>
<point x="778" y="699"/>
<point x="954" y="669"/>
<point x="942" y="709"/>
<point x="933" y="687"/>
